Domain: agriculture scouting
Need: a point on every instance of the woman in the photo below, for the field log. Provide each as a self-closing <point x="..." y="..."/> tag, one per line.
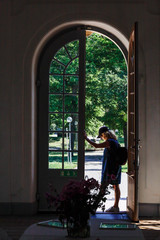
<point x="111" y="171"/>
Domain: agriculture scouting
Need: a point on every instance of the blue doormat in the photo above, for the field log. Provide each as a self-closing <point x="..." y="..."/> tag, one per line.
<point x="111" y="216"/>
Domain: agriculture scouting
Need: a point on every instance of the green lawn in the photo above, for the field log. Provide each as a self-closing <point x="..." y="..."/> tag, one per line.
<point x="58" y="165"/>
<point x="55" y="162"/>
<point x="125" y="168"/>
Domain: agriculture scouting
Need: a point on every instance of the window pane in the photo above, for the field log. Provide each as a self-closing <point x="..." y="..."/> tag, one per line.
<point x="55" y="122"/>
<point x="73" y="67"/>
<point x="71" y="141"/>
<point x="71" y="103"/>
<point x="70" y="160"/>
<point x="55" y="141"/>
<point x="56" y="68"/>
<point x="55" y="103"/>
<point x="71" y="84"/>
<point x="55" y="84"/>
<point x="54" y="160"/>
<point x="73" y="48"/>
<point x="74" y="122"/>
<point x="62" y="56"/>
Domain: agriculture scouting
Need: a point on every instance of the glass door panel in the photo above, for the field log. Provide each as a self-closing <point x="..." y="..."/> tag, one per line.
<point x="55" y="84"/>
<point x="71" y="84"/>
<point x="55" y="141"/>
<point x="55" y="103"/>
<point x="70" y="160"/>
<point x="71" y="103"/>
<point x="61" y="112"/>
<point x="55" y="121"/>
<point x="74" y="123"/>
<point x="55" y="160"/>
<point x="72" y="48"/>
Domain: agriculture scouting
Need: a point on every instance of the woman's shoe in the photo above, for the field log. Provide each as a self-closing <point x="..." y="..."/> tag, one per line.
<point x="113" y="209"/>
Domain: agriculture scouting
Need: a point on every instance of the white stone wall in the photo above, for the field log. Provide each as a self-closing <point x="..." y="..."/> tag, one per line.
<point x="25" y="26"/>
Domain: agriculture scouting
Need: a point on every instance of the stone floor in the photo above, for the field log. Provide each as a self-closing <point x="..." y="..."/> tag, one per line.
<point x="14" y="226"/>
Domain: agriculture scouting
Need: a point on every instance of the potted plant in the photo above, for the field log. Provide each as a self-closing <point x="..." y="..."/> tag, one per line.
<point x="75" y="203"/>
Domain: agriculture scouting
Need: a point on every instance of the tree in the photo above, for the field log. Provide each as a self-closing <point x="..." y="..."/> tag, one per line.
<point x="106" y="85"/>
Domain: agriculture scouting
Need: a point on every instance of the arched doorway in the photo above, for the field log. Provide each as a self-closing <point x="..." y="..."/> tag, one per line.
<point x="61" y="106"/>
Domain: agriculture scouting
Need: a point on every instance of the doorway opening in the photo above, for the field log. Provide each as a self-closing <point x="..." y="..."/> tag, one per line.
<point x="61" y="89"/>
<point x="105" y="104"/>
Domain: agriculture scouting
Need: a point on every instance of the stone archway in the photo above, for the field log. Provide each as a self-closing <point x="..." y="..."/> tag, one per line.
<point x="31" y="59"/>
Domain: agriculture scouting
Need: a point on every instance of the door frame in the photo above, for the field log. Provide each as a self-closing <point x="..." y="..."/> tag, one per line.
<point x="108" y="34"/>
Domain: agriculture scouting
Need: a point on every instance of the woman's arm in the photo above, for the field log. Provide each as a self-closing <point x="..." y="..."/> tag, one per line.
<point x="96" y="145"/>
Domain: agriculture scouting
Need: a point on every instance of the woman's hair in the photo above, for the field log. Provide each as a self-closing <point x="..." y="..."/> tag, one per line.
<point x="110" y="134"/>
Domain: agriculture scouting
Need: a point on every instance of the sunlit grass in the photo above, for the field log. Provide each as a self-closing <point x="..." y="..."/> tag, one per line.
<point x="55" y="161"/>
<point x="125" y="168"/>
<point x="57" y="165"/>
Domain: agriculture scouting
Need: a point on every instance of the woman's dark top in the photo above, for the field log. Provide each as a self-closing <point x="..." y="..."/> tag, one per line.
<point x="111" y="171"/>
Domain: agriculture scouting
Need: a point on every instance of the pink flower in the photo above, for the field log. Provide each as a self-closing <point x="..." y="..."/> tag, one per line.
<point x="77" y="198"/>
